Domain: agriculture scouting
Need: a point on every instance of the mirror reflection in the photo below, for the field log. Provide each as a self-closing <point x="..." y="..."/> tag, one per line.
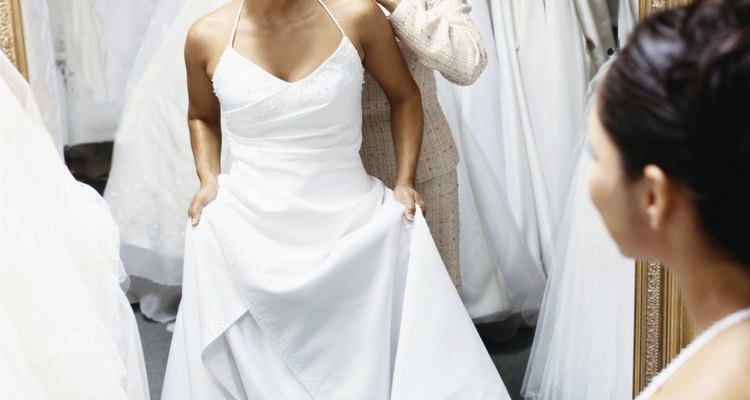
<point x="293" y="199"/>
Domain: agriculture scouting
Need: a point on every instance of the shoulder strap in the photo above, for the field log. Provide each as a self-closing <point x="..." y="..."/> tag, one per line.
<point x="236" y="22"/>
<point x="333" y="17"/>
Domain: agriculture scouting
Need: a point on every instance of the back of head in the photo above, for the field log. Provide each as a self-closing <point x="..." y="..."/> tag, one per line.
<point x="678" y="97"/>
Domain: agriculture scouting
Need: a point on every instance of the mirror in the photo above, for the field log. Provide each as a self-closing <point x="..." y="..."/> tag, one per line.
<point x="661" y="327"/>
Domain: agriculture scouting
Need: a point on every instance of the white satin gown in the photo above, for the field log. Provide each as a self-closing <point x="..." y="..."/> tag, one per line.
<point x="303" y="279"/>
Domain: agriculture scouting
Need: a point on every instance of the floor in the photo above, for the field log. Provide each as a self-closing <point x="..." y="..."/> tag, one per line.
<point x="510" y="356"/>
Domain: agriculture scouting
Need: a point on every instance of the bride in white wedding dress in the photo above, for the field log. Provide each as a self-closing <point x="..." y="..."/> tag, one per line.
<point x="303" y="279"/>
<point x="66" y="328"/>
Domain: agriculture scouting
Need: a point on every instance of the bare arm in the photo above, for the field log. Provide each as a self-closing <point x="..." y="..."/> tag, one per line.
<point x="442" y="34"/>
<point x="204" y="121"/>
<point x="383" y="60"/>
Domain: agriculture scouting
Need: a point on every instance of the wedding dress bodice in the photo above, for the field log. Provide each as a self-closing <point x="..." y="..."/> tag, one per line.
<point x="275" y="127"/>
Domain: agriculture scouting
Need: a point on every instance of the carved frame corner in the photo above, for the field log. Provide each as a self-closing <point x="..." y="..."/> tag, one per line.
<point x="11" y="35"/>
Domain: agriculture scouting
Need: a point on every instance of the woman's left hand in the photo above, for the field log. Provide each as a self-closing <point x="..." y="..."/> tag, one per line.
<point x="409" y="197"/>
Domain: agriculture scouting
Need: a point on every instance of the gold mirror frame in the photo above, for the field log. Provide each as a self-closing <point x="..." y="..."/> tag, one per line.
<point x="662" y="327"/>
<point x="11" y="34"/>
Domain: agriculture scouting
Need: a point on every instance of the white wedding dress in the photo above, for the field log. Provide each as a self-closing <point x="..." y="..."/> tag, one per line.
<point x="502" y="276"/>
<point x="518" y="130"/>
<point x="303" y="279"/>
<point x="153" y="175"/>
<point x="66" y="328"/>
<point x="45" y="77"/>
<point x="96" y="43"/>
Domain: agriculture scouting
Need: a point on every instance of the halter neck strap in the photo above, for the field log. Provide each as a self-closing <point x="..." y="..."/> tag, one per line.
<point x="236" y="22"/>
<point x="333" y="17"/>
<point x="239" y="14"/>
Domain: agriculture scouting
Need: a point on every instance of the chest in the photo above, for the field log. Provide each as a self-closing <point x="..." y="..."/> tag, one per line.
<point x="290" y="51"/>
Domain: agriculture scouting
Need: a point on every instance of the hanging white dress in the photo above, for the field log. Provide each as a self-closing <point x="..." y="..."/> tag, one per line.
<point x="553" y="50"/>
<point x="502" y="276"/>
<point x="45" y="77"/>
<point x="96" y="42"/>
<point x="303" y="279"/>
<point x="518" y="131"/>
<point x="162" y="18"/>
<point x="67" y="328"/>
<point x="153" y="175"/>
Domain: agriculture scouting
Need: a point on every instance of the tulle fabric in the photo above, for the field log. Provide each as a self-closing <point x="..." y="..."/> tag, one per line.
<point x="66" y="324"/>
<point x="162" y="18"/>
<point x="583" y="347"/>
<point x="153" y="175"/>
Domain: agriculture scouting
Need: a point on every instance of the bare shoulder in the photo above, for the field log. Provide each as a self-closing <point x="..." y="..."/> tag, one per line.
<point x="210" y="33"/>
<point x="362" y="19"/>
<point x="720" y="370"/>
<point x="734" y="352"/>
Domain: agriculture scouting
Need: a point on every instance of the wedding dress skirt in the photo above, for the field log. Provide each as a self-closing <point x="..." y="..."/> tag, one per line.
<point x="303" y="279"/>
<point x="153" y="175"/>
<point x="285" y="299"/>
<point x="67" y="330"/>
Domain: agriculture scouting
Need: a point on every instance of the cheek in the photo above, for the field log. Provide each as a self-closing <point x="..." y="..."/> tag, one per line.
<point x="611" y="200"/>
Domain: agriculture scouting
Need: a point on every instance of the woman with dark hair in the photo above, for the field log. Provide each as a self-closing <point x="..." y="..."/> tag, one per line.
<point x="672" y="180"/>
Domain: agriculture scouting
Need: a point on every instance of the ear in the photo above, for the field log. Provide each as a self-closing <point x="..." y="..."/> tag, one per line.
<point x="658" y="197"/>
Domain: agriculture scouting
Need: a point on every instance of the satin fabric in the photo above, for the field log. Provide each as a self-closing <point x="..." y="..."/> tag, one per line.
<point x="303" y="280"/>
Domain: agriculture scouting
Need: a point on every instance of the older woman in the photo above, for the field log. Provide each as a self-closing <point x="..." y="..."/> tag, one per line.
<point x="433" y="35"/>
<point x="672" y="180"/>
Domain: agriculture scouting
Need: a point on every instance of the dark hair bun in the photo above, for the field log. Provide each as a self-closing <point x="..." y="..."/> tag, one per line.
<point x="678" y="96"/>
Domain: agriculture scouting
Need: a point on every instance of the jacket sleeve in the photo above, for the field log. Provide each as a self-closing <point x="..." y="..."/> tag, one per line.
<point x="443" y="36"/>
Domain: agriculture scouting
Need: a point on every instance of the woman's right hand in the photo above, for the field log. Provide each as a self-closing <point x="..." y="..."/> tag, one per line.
<point x="203" y="197"/>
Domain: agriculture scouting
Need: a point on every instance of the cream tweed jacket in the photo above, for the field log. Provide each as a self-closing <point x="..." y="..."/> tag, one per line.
<point x="434" y="35"/>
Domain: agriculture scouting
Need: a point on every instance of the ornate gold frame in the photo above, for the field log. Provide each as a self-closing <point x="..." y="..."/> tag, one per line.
<point x="11" y="34"/>
<point x="662" y="327"/>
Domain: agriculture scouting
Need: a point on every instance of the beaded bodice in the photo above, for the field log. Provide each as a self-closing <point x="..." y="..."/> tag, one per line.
<point x="266" y="110"/>
<point x="296" y="135"/>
